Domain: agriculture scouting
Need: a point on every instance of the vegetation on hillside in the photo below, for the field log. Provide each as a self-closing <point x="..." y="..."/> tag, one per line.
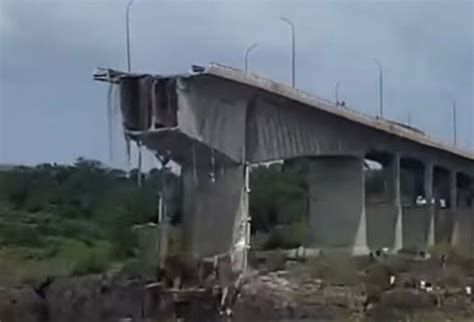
<point x="74" y="219"/>
<point x="71" y="219"/>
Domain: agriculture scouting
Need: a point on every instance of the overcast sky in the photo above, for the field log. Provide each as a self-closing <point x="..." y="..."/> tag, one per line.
<point x="52" y="111"/>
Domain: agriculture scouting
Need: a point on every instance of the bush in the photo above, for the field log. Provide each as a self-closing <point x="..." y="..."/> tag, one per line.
<point x="85" y="259"/>
<point x="412" y="251"/>
<point x="80" y="229"/>
<point x="29" y="265"/>
<point x="63" y="257"/>
<point x="453" y="276"/>
<point x="175" y="240"/>
<point x="287" y="237"/>
<point x="276" y="261"/>
<point x="454" y="255"/>
<point x="20" y="234"/>
<point x="336" y="270"/>
<point x="258" y="240"/>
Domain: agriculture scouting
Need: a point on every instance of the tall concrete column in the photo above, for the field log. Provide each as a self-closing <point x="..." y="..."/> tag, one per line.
<point x="383" y="215"/>
<point x="453" y="207"/>
<point x="457" y="234"/>
<point x="337" y="204"/>
<point x="453" y="191"/>
<point x="396" y="197"/>
<point x="428" y="188"/>
<point x="214" y="210"/>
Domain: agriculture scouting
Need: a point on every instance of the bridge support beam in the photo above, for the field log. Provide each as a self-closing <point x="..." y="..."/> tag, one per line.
<point x="455" y="237"/>
<point x="395" y="194"/>
<point x="337" y="204"/>
<point x="463" y="235"/>
<point x="417" y="211"/>
<point x="428" y="187"/>
<point x="215" y="212"/>
<point x="383" y="208"/>
<point x="461" y="218"/>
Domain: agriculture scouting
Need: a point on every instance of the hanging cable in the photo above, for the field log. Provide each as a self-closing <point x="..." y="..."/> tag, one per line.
<point x="109" y="121"/>
<point x="194" y="163"/>
<point x="139" y="175"/>
<point x="212" y="173"/>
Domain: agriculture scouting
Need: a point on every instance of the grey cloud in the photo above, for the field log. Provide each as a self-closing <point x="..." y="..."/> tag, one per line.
<point x="50" y="48"/>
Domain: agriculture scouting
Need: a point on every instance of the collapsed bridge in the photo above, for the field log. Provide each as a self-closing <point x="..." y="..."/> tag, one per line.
<point x="216" y="121"/>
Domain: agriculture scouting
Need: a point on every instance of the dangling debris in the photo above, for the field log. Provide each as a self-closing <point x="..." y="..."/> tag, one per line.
<point x="109" y="121"/>
<point x="139" y="174"/>
<point x="194" y="164"/>
<point x="212" y="172"/>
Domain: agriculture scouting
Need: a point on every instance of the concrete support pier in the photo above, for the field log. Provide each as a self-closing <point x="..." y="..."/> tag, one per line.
<point x="417" y="210"/>
<point x="383" y="208"/>
<point x="428" y="188"/>
<point x="463" y="213"/>
<point x="395" y="194"/>
<point x="215" y="211"/>
<point x="463" y="236"/>
<point x="337" y="204"/>
<point x="453" y="206"/>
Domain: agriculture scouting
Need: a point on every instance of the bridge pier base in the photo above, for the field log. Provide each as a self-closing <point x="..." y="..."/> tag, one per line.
<point x="428" y="188"/>
<point x="463" y="229"/>
<point x="337" y="205"/>
<point x="463" y="234"/>
<point x="462" y="217"/>
<point x="215" y="212"/>
<point x="383" y="210"/>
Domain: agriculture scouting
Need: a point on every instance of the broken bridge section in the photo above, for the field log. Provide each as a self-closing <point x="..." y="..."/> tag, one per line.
<point x="216" y="120"/>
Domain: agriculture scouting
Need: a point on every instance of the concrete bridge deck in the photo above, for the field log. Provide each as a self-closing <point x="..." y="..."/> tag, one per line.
<point x="216" y="119"/>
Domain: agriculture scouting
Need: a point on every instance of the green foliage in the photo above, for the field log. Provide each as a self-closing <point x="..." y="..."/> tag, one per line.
<point x="288" y="236"/>
<point x="278" y="197"/>
<point x="61" y="257"/>
<point x="71" y="219"/>
<point x="276" y="260"/>
<point x="335" y="270"/>
<point x="454" y="254"/>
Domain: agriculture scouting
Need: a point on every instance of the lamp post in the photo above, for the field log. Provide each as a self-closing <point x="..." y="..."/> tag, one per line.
<point x="127" y="26"/>
<point x="380" y="87"/>
<point x="337" y="93"/>
<point x="129" y="67"/>
<point x="454" y="118"/>
<point x="247" y="53"/>
<point x="455" y="125"/>
<point x="292" y="26"/>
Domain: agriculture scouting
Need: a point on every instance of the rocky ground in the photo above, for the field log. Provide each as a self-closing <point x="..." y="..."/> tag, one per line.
<point x="316" y="290"/>
<point x="74" y="299"/>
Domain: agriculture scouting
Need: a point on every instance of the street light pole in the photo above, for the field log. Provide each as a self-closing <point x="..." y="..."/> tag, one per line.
<point x="337" y="93"/>
<point x="380" y="87"/>
<point x="454" y="116"/>
<point x="292" y="49"/>
<point x="455" y="130"/>
<point x="129" y="67"/>
<point x="247" y="53"/>
<point x="127" y="26"/>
